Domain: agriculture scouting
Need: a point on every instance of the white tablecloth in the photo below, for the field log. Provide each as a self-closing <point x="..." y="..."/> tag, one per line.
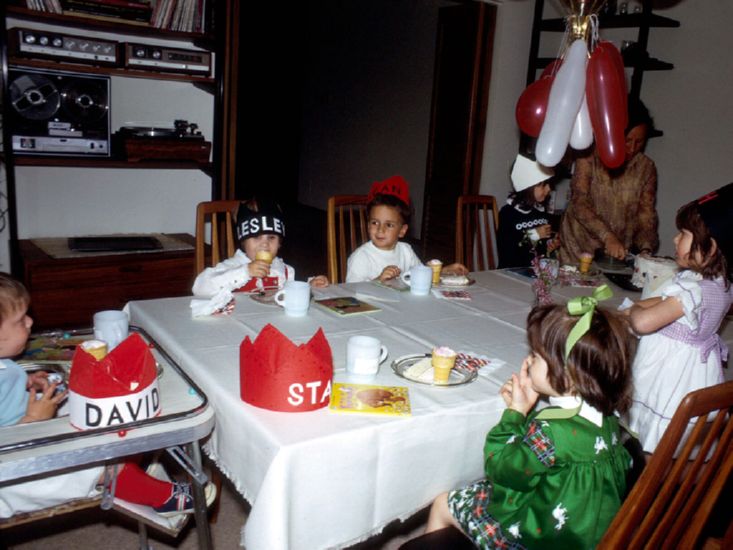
<point x="321" y="479"/>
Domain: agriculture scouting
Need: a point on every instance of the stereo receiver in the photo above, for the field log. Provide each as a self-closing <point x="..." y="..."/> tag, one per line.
<point x="158" y="58"/>
<point x="53" y="45"/>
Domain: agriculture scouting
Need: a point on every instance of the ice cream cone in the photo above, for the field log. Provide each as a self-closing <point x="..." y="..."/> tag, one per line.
<point x="96" y="348"/>
<point x="443" y="361"/>
<point x="436" y="266"/>
<point x="585" y="260"/>
<point x="263" y="255"/>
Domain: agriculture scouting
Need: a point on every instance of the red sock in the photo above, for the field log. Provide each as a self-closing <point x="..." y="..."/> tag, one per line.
<point x="134" y="485"/>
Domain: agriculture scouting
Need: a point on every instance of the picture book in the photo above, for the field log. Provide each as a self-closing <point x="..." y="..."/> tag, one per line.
<point x="347" y="305"/>
<point x="369" y="399"/>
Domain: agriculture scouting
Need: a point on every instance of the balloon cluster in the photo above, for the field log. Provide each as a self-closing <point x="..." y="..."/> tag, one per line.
<point x="578" y="98"/>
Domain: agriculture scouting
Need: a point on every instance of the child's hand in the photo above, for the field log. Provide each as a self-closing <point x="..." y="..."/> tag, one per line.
<point x="506" y="392"/>
<point x="544" y="231"/>
<point x="523" y="396"/>
<point x="258" y="268"/>
<point x="319" y="281"/>
<point x="455" y="269"/>
<point x="389" y="272"/>
<point x="37" y="380"/>
<point x="43" y="408"/>
<point x="614" y="248"/>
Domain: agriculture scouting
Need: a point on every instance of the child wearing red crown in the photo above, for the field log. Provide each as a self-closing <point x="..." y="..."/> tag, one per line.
<point x="255" y="267"/>
<point x="384" y="256"/>
<point x="30" y="398"/>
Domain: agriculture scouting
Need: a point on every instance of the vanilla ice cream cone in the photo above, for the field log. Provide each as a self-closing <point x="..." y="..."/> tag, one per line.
<point x="436" y="266"/>
<point x="585" y="260"/>
<point x="264" y="255"/>
<point x="443" y="361"/>
<point x="96" y="348"/>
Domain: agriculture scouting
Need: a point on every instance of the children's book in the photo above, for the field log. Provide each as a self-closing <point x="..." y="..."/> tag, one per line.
<point x="347" y="305"/>
<point x="368" y="399"/>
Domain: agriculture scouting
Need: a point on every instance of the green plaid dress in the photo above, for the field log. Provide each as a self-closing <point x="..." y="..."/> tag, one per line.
<point x="550" y="483"/>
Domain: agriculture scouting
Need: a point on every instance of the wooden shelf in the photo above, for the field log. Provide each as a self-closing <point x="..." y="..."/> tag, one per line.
<point x="649" y="64"/>
<point x="630" y="20"/>
<point x="86" y="162"/>
<point x="206" y="82"/>
<point x="81" y="22"/>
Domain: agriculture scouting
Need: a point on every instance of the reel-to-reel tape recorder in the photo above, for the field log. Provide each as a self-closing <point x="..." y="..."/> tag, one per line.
<point x="59" y="113"/>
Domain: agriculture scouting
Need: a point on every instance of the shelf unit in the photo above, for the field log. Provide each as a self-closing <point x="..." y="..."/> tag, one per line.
<point x="640" y="63"/>
<point x="215" y="42"/>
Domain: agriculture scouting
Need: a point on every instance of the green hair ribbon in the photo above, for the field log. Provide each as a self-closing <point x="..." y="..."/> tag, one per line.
<point x="585" y="306"/>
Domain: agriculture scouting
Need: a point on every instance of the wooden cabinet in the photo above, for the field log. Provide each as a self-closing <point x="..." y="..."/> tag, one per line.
<point x="66" y="292"/>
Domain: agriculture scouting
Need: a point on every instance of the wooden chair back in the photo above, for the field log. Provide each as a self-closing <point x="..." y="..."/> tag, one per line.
<point x="477" y="219"/>
<point x="219" y="217"/>
<point x="670" y="503"/>
<point x="346" y="231"/>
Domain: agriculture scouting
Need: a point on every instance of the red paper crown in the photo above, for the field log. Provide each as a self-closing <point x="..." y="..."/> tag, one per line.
<point x="395" y="186"/>
<point x="276" y="374"/>
<point x="122" y="387"/>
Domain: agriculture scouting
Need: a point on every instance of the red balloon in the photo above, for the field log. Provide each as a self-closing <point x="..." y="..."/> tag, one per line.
<point x="606" y="96"/>
<point x="552" y="68"/>
<point x="532" y="106"/>
<point x="618" y="61"/>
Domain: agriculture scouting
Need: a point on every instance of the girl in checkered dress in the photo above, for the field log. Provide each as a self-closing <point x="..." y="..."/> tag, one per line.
<point x="555" y="477"/>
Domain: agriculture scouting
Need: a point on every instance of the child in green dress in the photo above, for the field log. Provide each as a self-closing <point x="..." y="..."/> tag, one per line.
<point x="555" y="477"/>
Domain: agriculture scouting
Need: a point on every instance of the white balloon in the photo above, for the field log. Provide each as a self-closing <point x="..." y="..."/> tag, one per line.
<point x="563" y="105"/>
<point x="582" y="135"/>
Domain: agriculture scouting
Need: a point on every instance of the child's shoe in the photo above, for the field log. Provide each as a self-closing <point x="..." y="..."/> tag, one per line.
<point x="181" y="499"/>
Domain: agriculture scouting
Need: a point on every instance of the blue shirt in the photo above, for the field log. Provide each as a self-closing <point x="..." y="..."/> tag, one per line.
<point x="13" y="394"/>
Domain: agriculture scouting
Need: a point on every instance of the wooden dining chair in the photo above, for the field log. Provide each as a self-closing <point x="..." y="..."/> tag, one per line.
<point x="219" y="217"/>
<point x="346" y="231"/>
<point x="670" y="504"/>
<point x="477" y="219"/>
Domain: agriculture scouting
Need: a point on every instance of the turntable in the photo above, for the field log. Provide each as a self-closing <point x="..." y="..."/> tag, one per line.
<point x="139" y="142"/>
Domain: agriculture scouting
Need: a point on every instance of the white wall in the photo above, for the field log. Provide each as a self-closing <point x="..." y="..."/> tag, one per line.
<point x="69" y="202"/>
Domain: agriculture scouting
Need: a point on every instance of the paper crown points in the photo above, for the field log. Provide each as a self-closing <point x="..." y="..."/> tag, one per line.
<point x="527" y="173"/>
<point x="262" y="217"/>
<point x="276" y="374"/>
<point x="396" y="186"/>
<point x="122" y="387"/>
<point x="122" y="371"/>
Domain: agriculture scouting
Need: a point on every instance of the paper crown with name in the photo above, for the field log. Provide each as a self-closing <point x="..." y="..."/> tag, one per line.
<point x="396" y="186"/>
<point x="264" y="218"/>
<point x="276" y="374"/>
<point x="121" y="388"/>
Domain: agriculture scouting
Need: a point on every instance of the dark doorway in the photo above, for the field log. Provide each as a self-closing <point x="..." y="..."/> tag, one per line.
<point x="458" y="119"/>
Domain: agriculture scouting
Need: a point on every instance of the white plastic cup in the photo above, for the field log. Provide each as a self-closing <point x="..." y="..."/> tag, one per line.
<point x="295" y="298"/>
<point x="364" y="354"/>
<point x="111" y="326"/>
<point x="419" y="279"/>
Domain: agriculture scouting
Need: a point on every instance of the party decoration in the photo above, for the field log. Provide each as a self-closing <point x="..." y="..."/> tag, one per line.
<point x="551" y="68"/>
<point x="582" y="135"/>
<point x="532" y="106"/>
<point x="562" y="108"/>
<point x="606" y="95"/>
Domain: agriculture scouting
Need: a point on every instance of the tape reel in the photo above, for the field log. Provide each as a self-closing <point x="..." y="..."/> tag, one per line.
<point x="85" y="101"/>
<point x="34" y="97"/>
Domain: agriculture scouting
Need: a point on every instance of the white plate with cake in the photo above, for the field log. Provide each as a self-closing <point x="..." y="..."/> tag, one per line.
<point x="418" y="368"/>
<point x="455" y="281"/>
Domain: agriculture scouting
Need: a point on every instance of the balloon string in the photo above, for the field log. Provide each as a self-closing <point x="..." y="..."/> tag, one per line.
<point x="594" y="32"/>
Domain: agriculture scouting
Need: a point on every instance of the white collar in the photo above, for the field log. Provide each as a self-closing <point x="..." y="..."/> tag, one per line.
<point x="590" y="413"/>
<point x="518" y="207"/>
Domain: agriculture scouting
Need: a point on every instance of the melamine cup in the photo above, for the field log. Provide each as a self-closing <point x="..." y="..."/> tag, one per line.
<point x="364" y="354"/>
<point x="419" y="279"/>
<point x="295" y="298"/>
<point x="111" y="326"/>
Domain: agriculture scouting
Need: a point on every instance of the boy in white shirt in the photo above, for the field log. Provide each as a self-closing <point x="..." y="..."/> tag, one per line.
<point x="384" y="256"/>
<point x="255" y="267"/>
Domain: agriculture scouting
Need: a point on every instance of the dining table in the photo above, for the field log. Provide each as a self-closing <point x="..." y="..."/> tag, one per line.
<point x="326" y="479"/>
